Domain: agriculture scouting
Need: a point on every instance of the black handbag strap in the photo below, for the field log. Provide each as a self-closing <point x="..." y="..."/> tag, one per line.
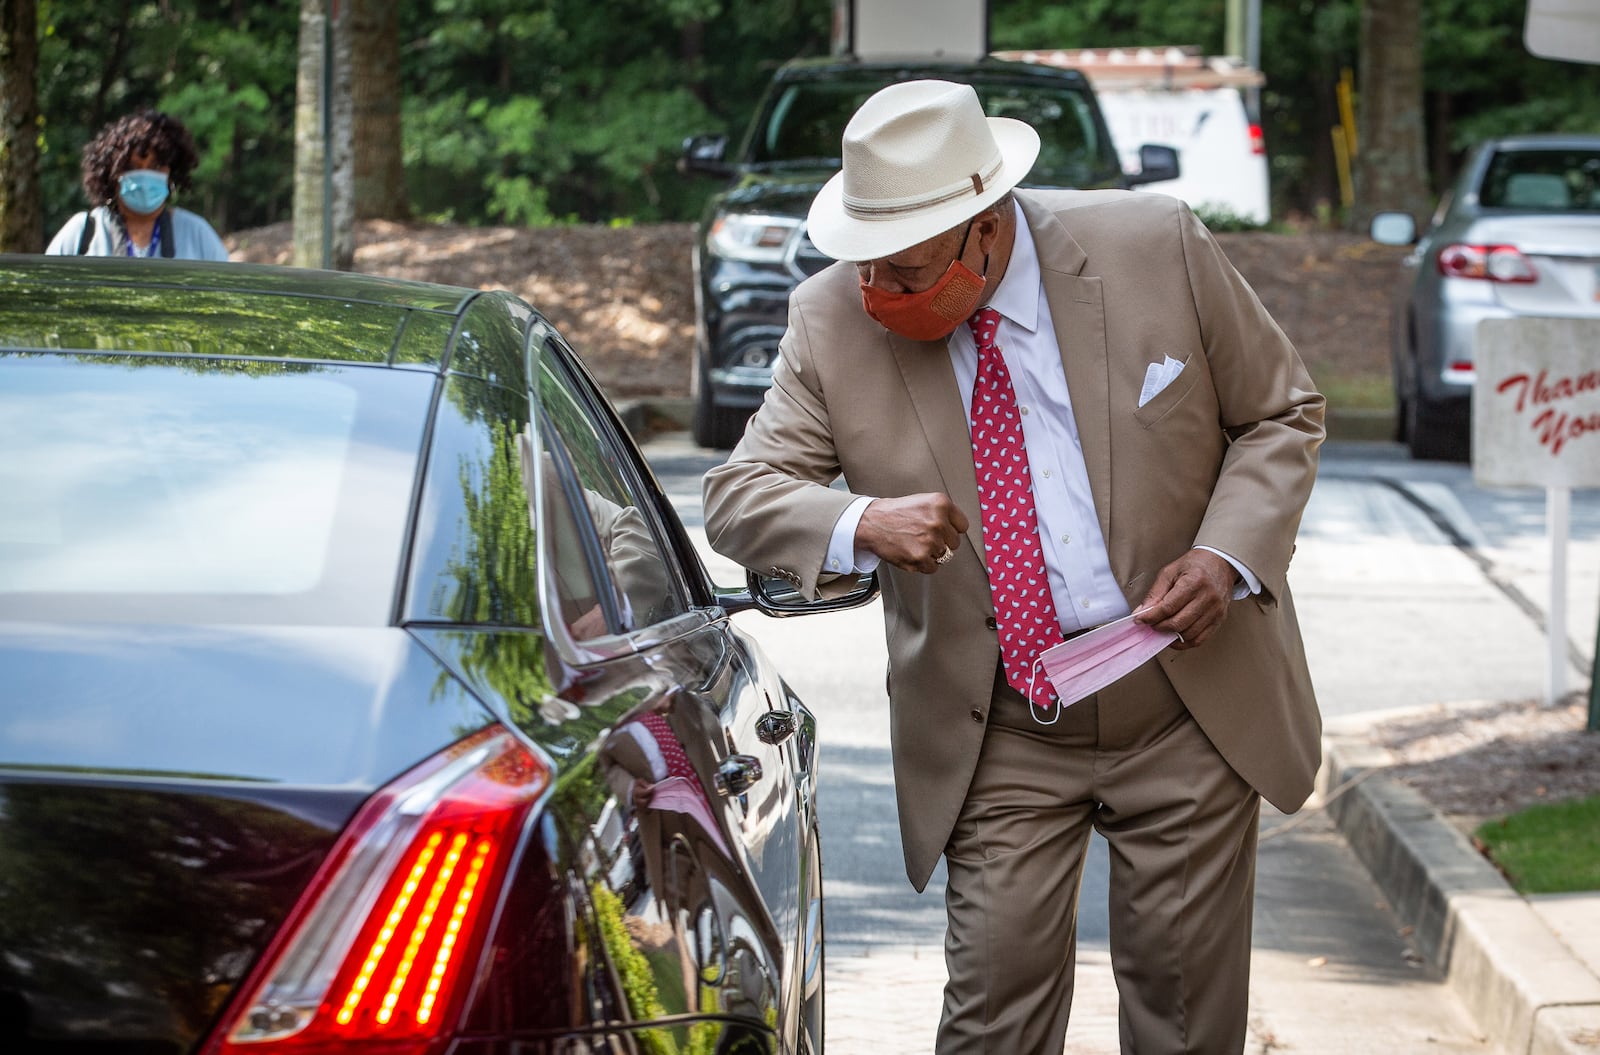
<point x="88" y="232"/>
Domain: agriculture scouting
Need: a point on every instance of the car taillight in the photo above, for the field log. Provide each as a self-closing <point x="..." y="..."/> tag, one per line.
<point x="1258" y="142"/>
<point x="380" y="949"/>
<point x="1492" y="263"/>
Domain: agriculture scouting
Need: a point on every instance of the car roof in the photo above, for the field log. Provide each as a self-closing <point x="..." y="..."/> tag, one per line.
<point x="233" y="310"/>
<point x="1544" y="141"/>
<point x="909" y="68"/>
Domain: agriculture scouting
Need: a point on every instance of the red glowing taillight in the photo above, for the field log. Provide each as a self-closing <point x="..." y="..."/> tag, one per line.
<point x="1258" y="142"/>
<point x="1491" y="263"/>
<point x="381" y="948"/>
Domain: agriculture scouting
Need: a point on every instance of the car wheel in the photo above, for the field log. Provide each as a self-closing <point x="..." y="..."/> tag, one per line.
<point x="1434" y="431"/>
<point x="714" y="426"/>
<point x="811" y="987"/>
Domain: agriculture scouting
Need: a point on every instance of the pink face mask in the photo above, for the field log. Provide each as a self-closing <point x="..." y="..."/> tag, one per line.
<point x="1089" y="662"/>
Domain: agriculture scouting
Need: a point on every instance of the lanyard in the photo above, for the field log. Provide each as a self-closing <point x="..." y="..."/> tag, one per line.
<point x="155" y="242"/>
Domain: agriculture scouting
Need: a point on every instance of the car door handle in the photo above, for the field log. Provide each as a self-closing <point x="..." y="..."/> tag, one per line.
<point x="737" y="774"/>
<point x="775" y="727"/>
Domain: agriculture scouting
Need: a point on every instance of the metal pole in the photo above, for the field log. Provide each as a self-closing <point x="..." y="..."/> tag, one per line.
<point x="1252" y="56"/>
<point x="1558" y="506"/>
<point x="1233" y="29"/>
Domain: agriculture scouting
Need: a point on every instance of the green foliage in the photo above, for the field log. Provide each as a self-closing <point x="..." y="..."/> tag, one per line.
<point x="1222" y="218"/>
<point x="1548" y="849"/>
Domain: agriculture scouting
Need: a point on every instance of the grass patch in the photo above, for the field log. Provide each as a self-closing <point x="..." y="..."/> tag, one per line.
<point x="1346" y="391"/>
<point x="1548" y="849"/>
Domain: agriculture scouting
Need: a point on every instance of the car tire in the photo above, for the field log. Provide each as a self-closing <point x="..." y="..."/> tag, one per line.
<point x="1434" y="431"/>
<point x="714" y="426"/>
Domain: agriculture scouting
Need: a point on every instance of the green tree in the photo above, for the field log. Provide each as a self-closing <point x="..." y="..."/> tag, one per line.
<point x="21" y="226"/>
<point x="1389" y="170"/>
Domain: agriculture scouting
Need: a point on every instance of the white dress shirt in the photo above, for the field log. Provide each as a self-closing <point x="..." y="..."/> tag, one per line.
<point x="1082" y="585"/>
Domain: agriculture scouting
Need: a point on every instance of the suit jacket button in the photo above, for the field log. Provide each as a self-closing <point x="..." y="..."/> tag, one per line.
<point x="991" y="624"/>
<point x="977" y="716"/>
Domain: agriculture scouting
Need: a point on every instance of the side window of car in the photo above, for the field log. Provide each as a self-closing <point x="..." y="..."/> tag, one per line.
<point x="599" y="488"/>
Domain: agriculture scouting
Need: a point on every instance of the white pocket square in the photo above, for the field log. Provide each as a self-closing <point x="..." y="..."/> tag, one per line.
<point x="1157" y="377"/>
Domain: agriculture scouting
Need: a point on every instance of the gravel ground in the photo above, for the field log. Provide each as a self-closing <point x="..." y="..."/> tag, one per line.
<point x="1488" y="761"/>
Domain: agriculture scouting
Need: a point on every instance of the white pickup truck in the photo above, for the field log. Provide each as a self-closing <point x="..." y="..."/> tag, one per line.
<point x="1182" y="99"/>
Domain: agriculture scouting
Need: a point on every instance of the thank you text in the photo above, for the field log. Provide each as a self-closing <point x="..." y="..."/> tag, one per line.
<point x="1536" y="403"/>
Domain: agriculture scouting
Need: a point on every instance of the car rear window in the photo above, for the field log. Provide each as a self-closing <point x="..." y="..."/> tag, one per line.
<point x="185" y="489"/>
<point x="806" y="119"/>
<point x="1556" y="180"/>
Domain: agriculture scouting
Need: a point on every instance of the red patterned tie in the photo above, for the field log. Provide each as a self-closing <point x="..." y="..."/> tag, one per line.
<point x="1023" y="609"/>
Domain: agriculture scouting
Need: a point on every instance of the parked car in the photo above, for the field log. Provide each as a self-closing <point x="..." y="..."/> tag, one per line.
<point x="752" y="249"/>
<point x="1517" y="234"/>
<point x="360" y="691"/>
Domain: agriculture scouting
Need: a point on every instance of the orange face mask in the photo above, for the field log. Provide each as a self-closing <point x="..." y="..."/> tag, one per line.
<point x="934" y="313"/>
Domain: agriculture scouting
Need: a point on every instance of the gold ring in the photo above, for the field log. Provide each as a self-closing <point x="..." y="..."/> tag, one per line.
<point x="944" y="558"/>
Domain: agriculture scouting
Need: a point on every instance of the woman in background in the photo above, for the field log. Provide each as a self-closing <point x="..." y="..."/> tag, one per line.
<point x="129" y="173"/>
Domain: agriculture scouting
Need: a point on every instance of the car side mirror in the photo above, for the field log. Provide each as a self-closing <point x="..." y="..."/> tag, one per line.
<point x="704" y="154"/>
<point x="781" y="598"/>
<point x="1393" y="228"/>
<point x="1157" y="164"/>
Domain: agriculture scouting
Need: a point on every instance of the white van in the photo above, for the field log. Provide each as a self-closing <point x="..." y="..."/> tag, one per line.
<point x="1178" y="98"/>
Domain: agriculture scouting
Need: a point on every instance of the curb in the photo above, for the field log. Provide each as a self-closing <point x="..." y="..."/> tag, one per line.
<point x="1526" y="990"/>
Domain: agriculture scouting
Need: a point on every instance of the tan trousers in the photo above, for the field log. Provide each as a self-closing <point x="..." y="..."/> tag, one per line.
<point x="1132" y="764"/>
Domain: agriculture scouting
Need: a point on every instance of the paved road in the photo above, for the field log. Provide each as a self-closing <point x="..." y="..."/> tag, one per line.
<point x="1413" y="587"/>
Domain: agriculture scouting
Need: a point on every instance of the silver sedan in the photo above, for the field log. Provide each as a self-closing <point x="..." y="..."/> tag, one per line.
<point x="1517" y="235"/>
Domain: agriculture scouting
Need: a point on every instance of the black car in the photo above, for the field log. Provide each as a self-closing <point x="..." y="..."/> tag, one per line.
<point x="360" y="691"/>
<point x="752" y="248"/>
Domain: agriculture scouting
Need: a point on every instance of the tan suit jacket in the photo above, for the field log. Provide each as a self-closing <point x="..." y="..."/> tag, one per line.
<point x="1225" y="456"/>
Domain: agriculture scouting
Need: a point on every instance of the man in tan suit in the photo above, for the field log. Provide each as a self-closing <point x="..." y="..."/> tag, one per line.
<point x="1167" y="435"/>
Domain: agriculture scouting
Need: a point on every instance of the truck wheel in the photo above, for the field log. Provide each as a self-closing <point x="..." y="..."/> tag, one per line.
<point x="715" y="426"/>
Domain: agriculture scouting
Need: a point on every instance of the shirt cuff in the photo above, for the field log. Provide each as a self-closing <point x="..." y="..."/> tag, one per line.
<point x="843" y="558"/>
<point x="1248" y="586"/>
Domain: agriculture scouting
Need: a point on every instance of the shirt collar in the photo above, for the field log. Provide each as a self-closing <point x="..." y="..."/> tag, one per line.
<point x="1017" y="296"/>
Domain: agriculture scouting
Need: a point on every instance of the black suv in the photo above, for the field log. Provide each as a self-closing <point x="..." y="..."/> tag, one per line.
<point x="752" y="247"/>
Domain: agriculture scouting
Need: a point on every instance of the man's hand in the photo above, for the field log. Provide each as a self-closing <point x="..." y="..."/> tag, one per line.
<point x="1190" y="597"/>
<point x="913" y="532"/>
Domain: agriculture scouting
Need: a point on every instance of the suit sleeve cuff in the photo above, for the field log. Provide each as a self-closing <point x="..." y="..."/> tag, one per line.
<point x="843" y="558"/>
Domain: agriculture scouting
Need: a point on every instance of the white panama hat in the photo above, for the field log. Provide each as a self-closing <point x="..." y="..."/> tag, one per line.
<point x="919" y="158"/>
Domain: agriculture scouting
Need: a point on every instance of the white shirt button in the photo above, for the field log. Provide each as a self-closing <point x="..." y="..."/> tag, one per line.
<point x="834" y="562"/>
<point x="1024" y="410"/>
<point x="1047" y="474"/>
<point x="1066" y="538"/>
<point x="1086" y="604"/>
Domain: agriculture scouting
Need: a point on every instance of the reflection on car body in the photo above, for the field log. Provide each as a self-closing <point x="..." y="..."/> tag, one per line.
<point x="360" y="688"/>
<point x="1518" y="234"/>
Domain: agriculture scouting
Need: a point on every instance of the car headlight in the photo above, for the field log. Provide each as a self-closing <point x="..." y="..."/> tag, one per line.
<point x="752" y="237"/>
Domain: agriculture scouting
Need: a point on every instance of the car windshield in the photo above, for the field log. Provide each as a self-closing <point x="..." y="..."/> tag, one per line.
<point x="1546" y="180"/>
<point x="804" y="123"/>
<point x="196" y="490"/>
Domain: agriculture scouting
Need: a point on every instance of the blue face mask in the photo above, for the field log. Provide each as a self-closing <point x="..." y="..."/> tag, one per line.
<point x="143" y="190"/>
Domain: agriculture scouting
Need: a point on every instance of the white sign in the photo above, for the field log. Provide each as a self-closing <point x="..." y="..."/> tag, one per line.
<point x="1536" y="403"/>
<point x="1563" y="29"/>
<point x="898" y="29"/>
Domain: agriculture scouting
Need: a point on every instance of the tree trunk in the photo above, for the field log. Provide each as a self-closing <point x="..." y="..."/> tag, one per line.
<point x="323" y="217"/>
<point x="1390" y="171"/>
<point x="21" y="214"/>
<point x="380" y="178"/>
